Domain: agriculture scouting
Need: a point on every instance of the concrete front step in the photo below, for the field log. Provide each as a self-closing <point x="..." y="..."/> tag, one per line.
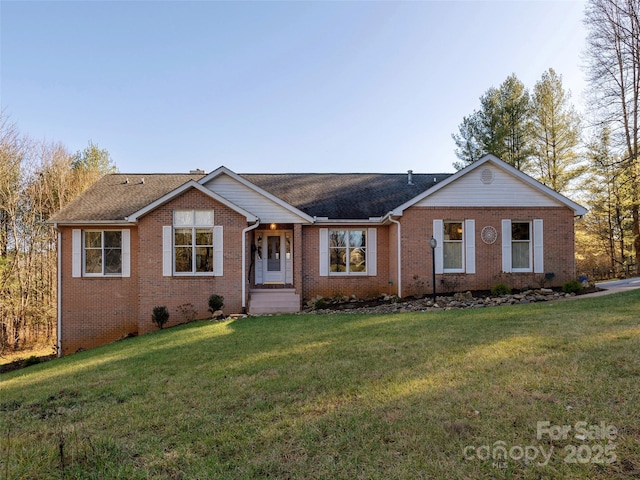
<point x="281" y="300"/>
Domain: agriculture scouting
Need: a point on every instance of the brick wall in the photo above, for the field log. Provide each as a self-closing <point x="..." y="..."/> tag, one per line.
<point x="417" y="228"/>
<point x="96" y="310"/>
<point x="362" y="286"/>
<point x="416" y="231"/>
<point x="99" y="310"/>
<point x="192" y="291"/>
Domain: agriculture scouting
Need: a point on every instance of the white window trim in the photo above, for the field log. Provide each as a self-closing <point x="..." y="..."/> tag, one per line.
<point x="78" y="263"/>
<point x="168" y="248"/>
<point x="468" y="246"/>
<point x="193" y="272"/>
<point x="371" y="252"/>
<point x="536" y="247"/>
<point x="366" y="256"/>
<point x="462" y="247"/>
<point x="530" y="242"/>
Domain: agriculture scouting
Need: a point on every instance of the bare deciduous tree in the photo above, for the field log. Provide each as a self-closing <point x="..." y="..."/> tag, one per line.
<point x="613" y="53"/>
<point x="36" y="180"/>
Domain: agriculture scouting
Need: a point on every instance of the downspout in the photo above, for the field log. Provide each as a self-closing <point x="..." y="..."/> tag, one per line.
<point x="59" y="292"/>
<point x="244" y="263"/>
<point x="399" y="254"/>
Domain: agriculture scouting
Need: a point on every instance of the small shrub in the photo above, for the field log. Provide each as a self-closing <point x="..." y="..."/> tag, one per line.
<point x="500" y="289"/>
<point x="160" y="316"/>
<point x="320" y="303"/>
<point x="32" y="360"/>
<point x="215" y="302"/>
<point x="572" y="286"/>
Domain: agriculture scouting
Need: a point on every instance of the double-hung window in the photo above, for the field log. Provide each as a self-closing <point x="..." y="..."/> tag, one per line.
<point x="455" y="250"/>
<point x="521" y="246"/>
<point x="347" y="251"/>
<point x="193" y="242"/>
<point x="100" y="253"/>
<point x="453" y="247"/>
<point x="103" y="252"/>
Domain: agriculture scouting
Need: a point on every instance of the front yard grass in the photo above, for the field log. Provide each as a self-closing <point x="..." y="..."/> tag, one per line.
<point x="406" y="396"/>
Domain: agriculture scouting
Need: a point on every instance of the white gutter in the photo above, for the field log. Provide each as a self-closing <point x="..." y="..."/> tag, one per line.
<point x="339" y="221"/>
<point x="244" y="263"/>
<point x="92" y="222"/>
<point x="399" y="254"/>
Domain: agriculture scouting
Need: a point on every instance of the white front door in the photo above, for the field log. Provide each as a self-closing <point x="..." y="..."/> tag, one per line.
<point x="274" y="264"/>
<point x="274" y="257"/>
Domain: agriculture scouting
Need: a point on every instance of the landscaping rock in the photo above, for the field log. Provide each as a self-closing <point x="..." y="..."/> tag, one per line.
<point x="392" y="304"/>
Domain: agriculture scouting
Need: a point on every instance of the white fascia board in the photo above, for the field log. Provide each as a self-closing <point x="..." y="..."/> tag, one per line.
<point x="67" y="223"/>
<point x="578" y="210"/>
<point x="388" y="217"/>
<point x="341" y="221"/>
<point x="224" y="170"/>
<point x="181" y="189"/>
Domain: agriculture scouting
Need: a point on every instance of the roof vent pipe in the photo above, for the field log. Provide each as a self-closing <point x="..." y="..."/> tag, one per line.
<point x="410" y="177"/>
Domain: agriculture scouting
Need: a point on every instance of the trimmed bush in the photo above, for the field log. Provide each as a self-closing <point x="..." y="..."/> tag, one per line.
<point x="160" y="316"/>
<point x="572" y="286"/>
<point x="215" y="303"/>
<point x="500" y="289"/>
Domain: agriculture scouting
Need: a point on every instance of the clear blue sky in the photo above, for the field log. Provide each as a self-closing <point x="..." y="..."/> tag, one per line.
<point x="273" y="86"/>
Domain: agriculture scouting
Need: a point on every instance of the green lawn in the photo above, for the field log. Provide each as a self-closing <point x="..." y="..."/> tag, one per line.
<point x="407" y="396"/>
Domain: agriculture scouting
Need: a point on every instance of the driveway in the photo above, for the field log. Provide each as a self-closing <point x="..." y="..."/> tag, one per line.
<point x="614" y="286"/>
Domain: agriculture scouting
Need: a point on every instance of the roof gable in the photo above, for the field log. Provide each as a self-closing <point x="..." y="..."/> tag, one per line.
<point x="264" y="204"/>
<point x="493" y="183"/>
<point x="179" y="191"/>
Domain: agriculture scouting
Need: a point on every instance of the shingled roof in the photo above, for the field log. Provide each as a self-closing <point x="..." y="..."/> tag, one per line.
<point x="345" y="195"/>
<point x="333" y="195"/>
<point x="116" y="196"/>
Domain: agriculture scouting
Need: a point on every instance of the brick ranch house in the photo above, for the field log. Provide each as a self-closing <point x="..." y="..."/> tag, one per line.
<point x="269" y="242"/>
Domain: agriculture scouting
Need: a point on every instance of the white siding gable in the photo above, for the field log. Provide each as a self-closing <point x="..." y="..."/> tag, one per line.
<point x="488" y="186"/>
<point x="266" y="209"/>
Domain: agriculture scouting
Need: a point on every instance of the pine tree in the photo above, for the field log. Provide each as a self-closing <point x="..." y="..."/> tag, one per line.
<point x="555" y="134"/>
<point x="500" y="127"/>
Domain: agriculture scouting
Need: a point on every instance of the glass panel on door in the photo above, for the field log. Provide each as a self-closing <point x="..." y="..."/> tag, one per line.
<point x="273" y="253"/>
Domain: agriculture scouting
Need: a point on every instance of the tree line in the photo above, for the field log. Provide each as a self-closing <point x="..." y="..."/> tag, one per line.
<point x="36" y="180"/>
<point x="593" y="157"/>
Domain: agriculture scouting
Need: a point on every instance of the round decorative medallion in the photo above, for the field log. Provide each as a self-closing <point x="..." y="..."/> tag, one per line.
<point x="489" y="235"/>
<point x="487" y="176"/>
